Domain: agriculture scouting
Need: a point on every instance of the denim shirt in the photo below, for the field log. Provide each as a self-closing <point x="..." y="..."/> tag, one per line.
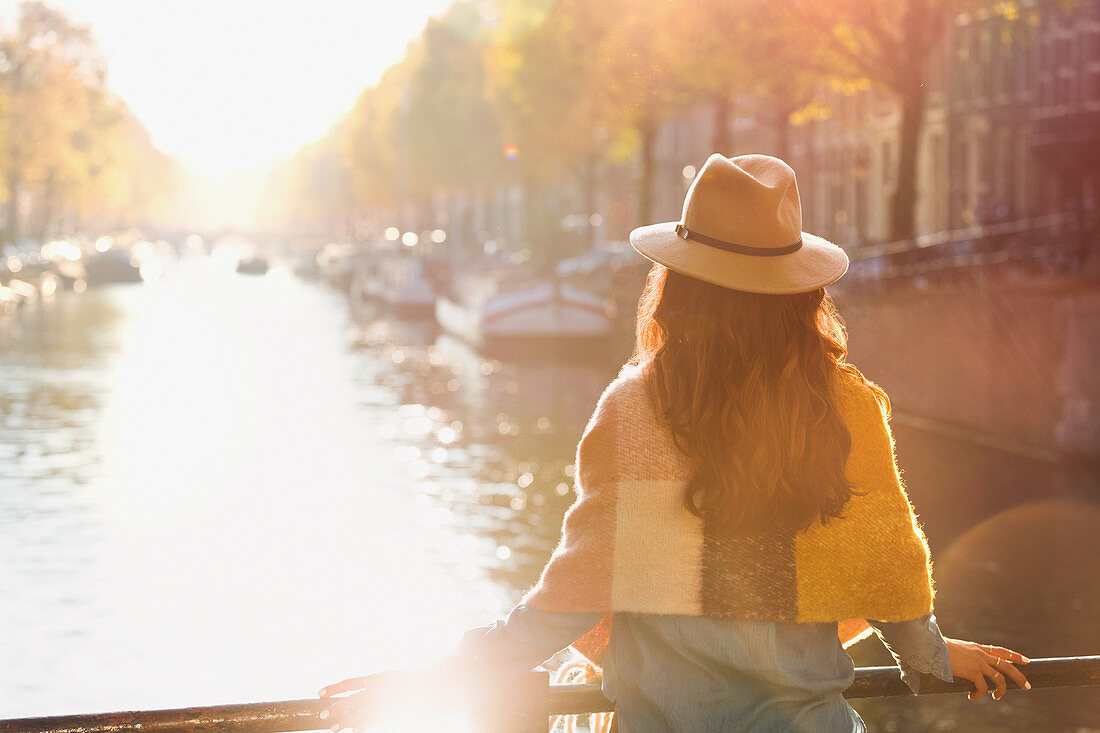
<point x="686" y="673"/>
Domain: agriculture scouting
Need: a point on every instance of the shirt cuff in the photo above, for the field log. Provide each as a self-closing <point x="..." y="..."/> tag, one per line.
<point x="918" y="647"/>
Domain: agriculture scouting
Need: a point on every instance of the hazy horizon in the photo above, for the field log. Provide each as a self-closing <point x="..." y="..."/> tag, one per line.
<point x="229" y="89"/>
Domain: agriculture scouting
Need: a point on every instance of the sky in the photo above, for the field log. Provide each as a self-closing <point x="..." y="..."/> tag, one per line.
<point x="226" y="86"/>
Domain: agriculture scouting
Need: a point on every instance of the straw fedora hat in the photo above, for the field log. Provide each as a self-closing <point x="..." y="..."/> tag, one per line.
<point x="742" y="229"/>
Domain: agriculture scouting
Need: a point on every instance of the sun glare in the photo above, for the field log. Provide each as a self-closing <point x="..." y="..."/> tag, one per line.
<point x="231" y="85"/>
<point x="452" y="723"/>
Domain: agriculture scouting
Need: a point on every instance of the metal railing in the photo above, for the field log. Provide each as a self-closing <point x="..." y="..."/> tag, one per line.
<point x="524" y="707"/>
<point x="1050" y="244"/>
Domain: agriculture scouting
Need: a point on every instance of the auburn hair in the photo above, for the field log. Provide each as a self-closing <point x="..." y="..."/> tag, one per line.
<point x="743" y="381"/>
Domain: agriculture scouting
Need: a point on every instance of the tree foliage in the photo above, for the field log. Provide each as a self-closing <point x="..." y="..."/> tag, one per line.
<point x="70" y="151"/>
<point x="576" y="85"/>
<point x="547" y="88"/>
<point x="890" y="42"/>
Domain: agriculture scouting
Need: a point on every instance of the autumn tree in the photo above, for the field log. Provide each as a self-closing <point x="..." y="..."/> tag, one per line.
<point x="50" y="68"/>
<point x="313" y="191"/>
<point x="732" y="57"/>
<point x="712" y="62"/>
<point x="129" y="179"/>
<point x="544" y="82"/>
<point x="638" y="78"/>
<point x="370" y="142"/>
<point x="450" y="134"/>
<point x="69" y="147"/>
<point x="890" y="42"/>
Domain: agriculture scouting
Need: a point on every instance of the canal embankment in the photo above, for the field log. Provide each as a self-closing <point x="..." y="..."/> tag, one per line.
<point x="1011" y="365"/>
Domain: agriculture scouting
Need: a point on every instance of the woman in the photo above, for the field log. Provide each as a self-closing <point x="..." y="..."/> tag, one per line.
<point x="739" y="510"/>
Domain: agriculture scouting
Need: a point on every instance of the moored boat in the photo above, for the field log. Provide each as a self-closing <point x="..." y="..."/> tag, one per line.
<point x="338" y="262"/>
<point x="396" y="281"/>
<point x="254" y="265"/>
<point x="10" y="302"/>
<point x="112" y="266"/>
<point x="489" y="315"/>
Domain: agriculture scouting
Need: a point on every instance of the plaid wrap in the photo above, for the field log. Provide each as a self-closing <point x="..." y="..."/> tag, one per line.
<point x="629" y="545"/>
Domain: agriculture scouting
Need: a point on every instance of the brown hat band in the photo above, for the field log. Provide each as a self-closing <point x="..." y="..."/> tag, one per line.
<point x="684" y="233"/>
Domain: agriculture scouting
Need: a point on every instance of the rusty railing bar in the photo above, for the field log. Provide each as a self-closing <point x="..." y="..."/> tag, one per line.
<point x="302" y="715"/>
<point x="873" y="682"/>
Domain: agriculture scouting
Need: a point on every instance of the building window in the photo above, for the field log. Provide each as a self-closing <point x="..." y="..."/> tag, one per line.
<point x="1023" y="173"/>
<point x="1064" y="90"/>
<point x="1003" y="71"/>
<point x="1049" y="66"/>
<point x="984" y="66"/>
<point x="1092" y="86"/>
<point x="1005" y="188"/>
<point x="887" y="164"/>
<point x="1092" y="66"/>
<point x="1065" y="51"/>
<point x="937" y="147"/>
<point x="961" y="84"/>
<point x="1024" y="53"/>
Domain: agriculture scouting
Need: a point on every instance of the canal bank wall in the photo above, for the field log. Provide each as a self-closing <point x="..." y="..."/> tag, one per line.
<point x="1014" y="365"/>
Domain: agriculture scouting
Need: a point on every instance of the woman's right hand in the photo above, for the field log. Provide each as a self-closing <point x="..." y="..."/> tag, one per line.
<point x="981" y="662"/>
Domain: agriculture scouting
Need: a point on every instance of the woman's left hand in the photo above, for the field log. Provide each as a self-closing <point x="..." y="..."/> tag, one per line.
<point x="376" y="697"/>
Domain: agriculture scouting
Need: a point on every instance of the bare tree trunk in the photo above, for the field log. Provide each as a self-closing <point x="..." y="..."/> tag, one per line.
<point x="922" y="23"/>
<point x="590" y="199"/>
<point x="49" y="198"/>
<point x="783" y="112"/>
<point x="648" y="130"/>
<point x="11" y="226"/>
<point x="721" y="142"/>
<point x="903" y="204"/>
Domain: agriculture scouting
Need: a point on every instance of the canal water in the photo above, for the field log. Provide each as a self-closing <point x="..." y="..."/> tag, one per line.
<point x="221" y="488"/>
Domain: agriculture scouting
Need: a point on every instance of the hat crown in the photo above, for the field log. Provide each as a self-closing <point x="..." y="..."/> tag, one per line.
<point x="749" y="200"/>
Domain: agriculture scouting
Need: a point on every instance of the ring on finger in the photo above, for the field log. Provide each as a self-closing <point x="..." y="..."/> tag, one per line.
<point x="996" y="663"/>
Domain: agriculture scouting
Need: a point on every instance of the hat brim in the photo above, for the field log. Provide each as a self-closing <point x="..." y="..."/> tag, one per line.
<point x="817" y="263"/>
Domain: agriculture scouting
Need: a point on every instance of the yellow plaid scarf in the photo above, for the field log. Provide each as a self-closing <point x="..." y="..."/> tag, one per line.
<point x="629" y="545"/>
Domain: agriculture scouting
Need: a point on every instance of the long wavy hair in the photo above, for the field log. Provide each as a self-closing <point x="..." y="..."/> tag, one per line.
<point x="743" y="381"/>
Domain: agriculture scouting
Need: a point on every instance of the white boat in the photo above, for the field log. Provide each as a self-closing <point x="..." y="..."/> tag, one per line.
<point x="10" y="301"/>
<point x="13" y="295"/>
<point x="399" y="282"/>
<point x="254" y="265"/>
<point x="113" y="266"/>
<point x="338" y="262"/>
<point x="486" y="314"/>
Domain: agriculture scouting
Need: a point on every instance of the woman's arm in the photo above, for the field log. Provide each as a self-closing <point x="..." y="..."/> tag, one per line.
<point x="494" y="654"/>
<point x="920" y="648"/>
<point x="528" y="637"/>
